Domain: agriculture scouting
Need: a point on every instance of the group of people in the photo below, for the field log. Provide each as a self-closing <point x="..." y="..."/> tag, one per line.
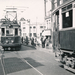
<point x="44" y="41"/>
<point x="25" y="40"/>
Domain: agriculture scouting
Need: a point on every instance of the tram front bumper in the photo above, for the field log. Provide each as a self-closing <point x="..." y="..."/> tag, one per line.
<point x="11" y="45"/>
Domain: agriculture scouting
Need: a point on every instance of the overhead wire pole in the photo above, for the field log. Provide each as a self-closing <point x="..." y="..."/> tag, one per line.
<point x="36" y="32"/>
<point x="36" y="25"/>
<point x="29" y="26"/>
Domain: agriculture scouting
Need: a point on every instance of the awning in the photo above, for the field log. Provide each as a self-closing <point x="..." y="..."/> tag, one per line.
<point x="46" y="33"/>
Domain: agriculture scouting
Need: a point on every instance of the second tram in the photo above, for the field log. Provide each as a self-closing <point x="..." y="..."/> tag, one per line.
<point x="10" y="37"/>
<point x="10" y="34"/>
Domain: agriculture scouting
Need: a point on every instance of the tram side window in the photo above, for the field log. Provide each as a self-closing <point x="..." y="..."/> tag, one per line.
<point x="16" y="31"/>
<point x="3" y="31"/>
<point x="67" y="19"/>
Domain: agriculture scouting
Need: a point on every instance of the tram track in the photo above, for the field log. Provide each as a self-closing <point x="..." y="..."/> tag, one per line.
<point x="20" y="59"/>
<point x="24" y="60"/>
<point x="16" y="54"/>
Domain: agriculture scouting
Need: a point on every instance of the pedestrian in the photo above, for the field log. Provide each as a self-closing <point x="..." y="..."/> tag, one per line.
<point x="38" y="41"/>
<point x="43" y="42"/>
<point x="22" y="39"/>
<point x="32" y="41"/>
<point x="47" y="42"/>
<point x="26" y="40"/>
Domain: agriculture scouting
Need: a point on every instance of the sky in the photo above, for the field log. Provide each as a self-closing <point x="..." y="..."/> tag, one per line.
<point x="34" y="12"/>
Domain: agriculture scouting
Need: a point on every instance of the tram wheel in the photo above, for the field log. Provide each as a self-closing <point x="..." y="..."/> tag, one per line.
<point x="72" y="65"/>
<point x="5" y="49"/>
<point x="67" y="64"/>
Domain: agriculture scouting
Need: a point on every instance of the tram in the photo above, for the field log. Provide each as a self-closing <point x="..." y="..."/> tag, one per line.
<point x="10" y="34"/>
<point x="64" y="34"/>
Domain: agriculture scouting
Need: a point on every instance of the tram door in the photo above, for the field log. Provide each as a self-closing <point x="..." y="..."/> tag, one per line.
<point x="55" y="31"/>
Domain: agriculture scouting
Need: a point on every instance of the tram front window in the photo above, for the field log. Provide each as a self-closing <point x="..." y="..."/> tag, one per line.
<point x="3" y="31"/>
<point x="9" y="32"/>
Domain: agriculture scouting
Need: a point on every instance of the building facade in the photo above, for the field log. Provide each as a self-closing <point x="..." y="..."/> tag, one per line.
<point x="47" y="16"/>
<point x="36" y="29"/>
<point x="31" y="29"/>
<point x="47" y="19"/>
<point x="24" y="27"/>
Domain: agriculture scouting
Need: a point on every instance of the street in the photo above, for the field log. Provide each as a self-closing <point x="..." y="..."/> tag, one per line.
<point x="31" y="61"/>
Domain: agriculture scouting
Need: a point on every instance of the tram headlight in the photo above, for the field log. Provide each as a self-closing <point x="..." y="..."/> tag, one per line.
<point x="7" y="41"/>
<point x="12" y="41"/>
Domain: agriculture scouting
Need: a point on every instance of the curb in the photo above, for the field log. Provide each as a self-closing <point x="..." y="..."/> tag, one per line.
<point x="29" y="46"/>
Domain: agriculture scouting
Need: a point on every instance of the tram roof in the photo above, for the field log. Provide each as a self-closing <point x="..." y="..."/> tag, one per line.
<point x="14" y="25"/>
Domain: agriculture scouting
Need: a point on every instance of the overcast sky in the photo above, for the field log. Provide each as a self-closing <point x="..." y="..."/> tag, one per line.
<point x="35" y="9"/>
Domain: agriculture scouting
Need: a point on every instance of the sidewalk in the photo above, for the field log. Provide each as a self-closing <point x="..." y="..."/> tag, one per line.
<point x="50" y="49"/>
<point x="46" y="49"/>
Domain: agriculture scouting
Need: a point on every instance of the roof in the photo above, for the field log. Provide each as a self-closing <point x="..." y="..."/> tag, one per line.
<point x="22" y="19"/>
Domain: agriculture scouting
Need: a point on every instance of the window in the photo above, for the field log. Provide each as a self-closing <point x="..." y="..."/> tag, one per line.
<point x="67" y="19"/>
<point x="41" y="26"/>
<point x="16" y="31"/>
<point x="30" y="34"/>
<point x="9" y="32"/>
<point x="67" y="7"/>
<point x="3" y="31"/>
<point x="60" y="2"/>
<point x="34" y="34"/>
<point x="30" y="27"/>
<point x="23" y="22"/>
<point x="23" y="27"/>
<point x="34" y="27"/>
<point x="55" y="3"/>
